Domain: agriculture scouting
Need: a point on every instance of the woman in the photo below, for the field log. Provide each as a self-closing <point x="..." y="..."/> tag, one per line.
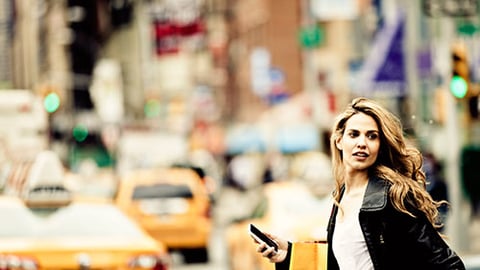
<point x="383" y="216"/>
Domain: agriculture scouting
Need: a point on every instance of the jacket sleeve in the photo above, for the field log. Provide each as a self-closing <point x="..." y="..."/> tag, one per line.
<point x="285" y="265"/>
<point x="428" y="243"/>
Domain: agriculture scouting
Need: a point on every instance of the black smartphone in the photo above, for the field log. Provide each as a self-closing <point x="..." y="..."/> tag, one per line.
<point x="261" y="237"/>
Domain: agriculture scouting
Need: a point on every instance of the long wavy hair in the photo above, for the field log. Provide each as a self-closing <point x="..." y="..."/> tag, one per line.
<point x="398" y="163"/>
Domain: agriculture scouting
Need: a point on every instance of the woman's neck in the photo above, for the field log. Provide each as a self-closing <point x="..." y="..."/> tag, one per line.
<point x="356" y="182"/>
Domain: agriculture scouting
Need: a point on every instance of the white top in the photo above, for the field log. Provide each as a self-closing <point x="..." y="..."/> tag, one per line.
<point x="349" y="245"/>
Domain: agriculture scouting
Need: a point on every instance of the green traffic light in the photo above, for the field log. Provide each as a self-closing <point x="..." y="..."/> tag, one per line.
<point x="152" y="108"/>
<point x="51" y="102"/>
<point x="458" y="87"/>
<point x="80" y="133"/>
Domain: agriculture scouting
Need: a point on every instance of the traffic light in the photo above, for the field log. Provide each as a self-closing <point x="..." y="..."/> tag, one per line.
<point x="51" y="102"/>
<point x="152" y="108"/>
<point x="51" y="98"/>
<point x="80" y="133"/>
<point x="459" y="83"/>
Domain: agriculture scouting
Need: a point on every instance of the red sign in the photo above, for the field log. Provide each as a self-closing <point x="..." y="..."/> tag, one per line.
<point x="168" y="34"/>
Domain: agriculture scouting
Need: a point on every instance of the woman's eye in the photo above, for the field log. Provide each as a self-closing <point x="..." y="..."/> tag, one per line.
<point x="373" y="136"/>
<point x="353" y="134"/>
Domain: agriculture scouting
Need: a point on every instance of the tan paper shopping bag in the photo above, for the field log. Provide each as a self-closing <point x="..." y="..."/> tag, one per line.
<point x="309" y="256"/>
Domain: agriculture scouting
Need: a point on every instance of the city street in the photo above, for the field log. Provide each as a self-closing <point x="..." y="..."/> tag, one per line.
<point x="191" y="120"/>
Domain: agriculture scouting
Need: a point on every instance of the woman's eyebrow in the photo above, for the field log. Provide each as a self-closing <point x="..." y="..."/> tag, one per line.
<point x="368" y="131"/>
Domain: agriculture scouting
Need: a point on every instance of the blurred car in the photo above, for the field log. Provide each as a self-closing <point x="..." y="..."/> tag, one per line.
<point x="73" y="234"/>
<point x="173" y="205"/>
<point x="206" y="179"/>
<point x="288" y="209"/>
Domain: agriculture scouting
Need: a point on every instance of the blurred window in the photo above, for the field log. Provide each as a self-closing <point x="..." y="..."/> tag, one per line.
<point x="161" y="191"/>
<point x="164" y="206"/>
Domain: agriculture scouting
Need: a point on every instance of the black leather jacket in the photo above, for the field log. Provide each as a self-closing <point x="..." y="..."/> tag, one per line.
<point x="395" y="240"/>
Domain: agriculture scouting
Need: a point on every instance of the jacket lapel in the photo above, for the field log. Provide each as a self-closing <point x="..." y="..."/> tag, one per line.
<point x="376" y="195"/>
<point x="375" y="199"/>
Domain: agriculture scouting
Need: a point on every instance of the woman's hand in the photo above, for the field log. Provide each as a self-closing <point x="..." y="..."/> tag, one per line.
<point x="270" y="253"/>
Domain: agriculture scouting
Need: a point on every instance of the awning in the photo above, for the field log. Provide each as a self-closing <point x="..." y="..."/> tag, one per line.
<point x="287" y="138"/>
<point x="297" y="138"/>
<point x="245" y="138"/>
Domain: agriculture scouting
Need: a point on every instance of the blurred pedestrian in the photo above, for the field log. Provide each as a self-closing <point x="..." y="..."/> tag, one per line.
<point x="383" y="216"/>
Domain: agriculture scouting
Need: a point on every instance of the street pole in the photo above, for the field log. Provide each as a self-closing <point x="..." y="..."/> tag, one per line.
<point x="412" y="8"/>
<point x="310" y="84"/>
<point x="456" y="225"/>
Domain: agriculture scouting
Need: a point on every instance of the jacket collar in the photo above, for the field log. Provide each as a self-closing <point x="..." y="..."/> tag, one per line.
<point x="375" y="197"/>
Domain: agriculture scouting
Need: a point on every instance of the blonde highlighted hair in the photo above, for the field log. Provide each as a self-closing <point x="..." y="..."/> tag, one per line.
<point x="398" y="163"/>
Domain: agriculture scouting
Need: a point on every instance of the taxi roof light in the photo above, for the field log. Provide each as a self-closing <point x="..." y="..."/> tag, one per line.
<point x="48" y="196"/>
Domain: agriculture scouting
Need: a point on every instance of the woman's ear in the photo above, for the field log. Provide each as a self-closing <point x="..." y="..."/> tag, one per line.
<point x="338" y="143"/>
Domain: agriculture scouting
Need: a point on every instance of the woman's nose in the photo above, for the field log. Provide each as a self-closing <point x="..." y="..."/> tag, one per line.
<point x="361" y="141"/>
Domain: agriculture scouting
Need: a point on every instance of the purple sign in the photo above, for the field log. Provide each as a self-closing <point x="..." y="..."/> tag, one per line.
<point x="393" y="66"/>
<point x="383" y="72"/>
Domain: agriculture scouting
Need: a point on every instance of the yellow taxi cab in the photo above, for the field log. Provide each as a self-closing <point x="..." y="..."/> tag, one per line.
<point x="288" y="209"/>
<point x="173" y="205"/>
<point x="51" y="229"/>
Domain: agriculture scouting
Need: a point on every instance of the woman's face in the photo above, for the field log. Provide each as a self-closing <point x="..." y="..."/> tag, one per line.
<point x="360" y="143"/>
